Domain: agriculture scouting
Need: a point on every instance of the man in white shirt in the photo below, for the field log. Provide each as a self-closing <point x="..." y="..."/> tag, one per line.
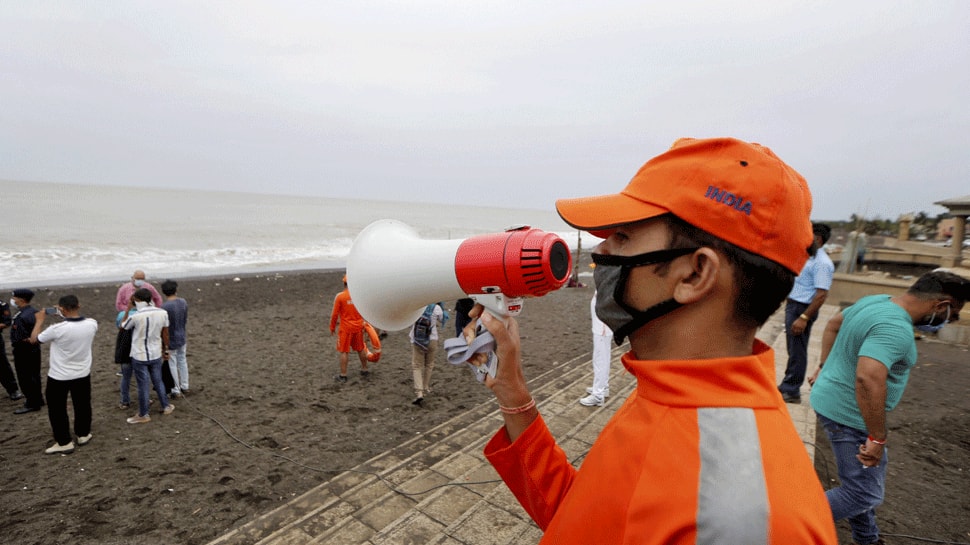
<point x="69" y="372"/>
<point x="149" y="345"/>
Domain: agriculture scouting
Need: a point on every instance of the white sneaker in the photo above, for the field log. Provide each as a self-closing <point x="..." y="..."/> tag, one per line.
<point x="61" y="449"/>
<point x="84" y="440"/>
<point x="591" y="401"/>
<point x="606" y="392"/>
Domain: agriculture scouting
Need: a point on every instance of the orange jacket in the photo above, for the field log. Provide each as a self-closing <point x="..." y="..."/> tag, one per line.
<point x="703" y="452"/>
<point x="345" y="311"/>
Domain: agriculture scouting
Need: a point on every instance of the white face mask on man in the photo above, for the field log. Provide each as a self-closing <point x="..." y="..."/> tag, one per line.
<point x="936" y="320"/>
<point x="138" y="282"/>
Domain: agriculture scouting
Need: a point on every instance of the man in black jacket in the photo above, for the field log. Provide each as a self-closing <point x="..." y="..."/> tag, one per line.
<point x="26" y="356"/>
<point x="7" y="378"/>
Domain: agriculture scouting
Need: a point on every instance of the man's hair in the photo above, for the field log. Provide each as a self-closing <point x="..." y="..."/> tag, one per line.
<point x="69" y="302"/>
<point x="24" y="294"/>
<point x="822" y="230"/>
<point x="169" y="287"/>
<point x="143" y="294"/>
<point x="761" y="284"/>
<point x="941" y="283"/>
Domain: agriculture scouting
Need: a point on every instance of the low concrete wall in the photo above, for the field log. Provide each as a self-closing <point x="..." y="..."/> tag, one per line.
<point x="893" y="250"/>
<point x="849" y="288"/>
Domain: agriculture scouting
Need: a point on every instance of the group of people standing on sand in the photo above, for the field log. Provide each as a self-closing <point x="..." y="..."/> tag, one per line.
<point x="151" y="333"/>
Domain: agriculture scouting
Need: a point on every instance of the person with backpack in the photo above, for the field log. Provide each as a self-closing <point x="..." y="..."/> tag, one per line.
<point x="149" y="346"/>
<point x="424" y="344"/>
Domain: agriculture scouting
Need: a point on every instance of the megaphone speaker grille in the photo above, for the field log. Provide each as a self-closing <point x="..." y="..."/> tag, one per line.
<point x="559" y="260"/>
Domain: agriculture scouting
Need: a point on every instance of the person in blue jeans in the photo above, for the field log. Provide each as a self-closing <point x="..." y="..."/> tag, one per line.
<point x="868" y="350"/>
<point x="149" y="345"/>
<point x="178" y="315"/>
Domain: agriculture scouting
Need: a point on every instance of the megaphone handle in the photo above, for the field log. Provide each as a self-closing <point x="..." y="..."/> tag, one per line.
<point x="498" y="304"/>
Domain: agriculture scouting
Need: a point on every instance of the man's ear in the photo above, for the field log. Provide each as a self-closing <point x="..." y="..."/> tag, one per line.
<point x="698" y="276"/>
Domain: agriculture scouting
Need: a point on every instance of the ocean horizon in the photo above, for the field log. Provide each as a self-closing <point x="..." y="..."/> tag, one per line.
<point x="65" y="234"/>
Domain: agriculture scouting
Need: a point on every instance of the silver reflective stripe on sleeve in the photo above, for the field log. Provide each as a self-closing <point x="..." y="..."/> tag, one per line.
<point x="733" y="499"/>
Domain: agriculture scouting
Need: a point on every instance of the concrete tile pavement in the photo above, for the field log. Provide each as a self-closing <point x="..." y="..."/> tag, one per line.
<point x="801" y="414"/>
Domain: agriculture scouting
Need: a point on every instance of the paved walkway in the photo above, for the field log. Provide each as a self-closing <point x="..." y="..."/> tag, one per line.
<point x="438" y="489"/>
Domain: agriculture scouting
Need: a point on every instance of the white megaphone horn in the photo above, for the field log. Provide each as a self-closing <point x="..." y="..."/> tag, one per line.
<point x="392" y="274"/>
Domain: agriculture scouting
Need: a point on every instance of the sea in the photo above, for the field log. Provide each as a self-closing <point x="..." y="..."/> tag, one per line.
<point x="66" y="234"/>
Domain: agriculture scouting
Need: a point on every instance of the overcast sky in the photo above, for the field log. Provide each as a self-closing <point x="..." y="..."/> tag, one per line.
<point x="499" y="103"/>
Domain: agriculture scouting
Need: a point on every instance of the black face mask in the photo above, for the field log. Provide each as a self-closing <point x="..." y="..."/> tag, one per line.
<point x="610" y="276"/>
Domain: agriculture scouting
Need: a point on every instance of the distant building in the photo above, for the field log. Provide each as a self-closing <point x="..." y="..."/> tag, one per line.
<point x="959" y="208"/>
<point x="944" y="229"/>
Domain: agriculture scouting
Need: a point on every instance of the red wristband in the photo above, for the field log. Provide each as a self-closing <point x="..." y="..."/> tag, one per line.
<point x="876" y="441"/>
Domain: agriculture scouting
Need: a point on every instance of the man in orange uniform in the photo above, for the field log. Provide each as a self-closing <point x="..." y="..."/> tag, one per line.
<point x="351" y="333"/>
<point x="700" y="249"/>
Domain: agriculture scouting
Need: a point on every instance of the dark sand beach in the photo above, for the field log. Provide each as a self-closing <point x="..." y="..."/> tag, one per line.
<point x="265" y="421"/>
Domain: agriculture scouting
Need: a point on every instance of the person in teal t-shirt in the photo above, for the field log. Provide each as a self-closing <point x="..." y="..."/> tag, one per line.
<point x="868" y="351"/>
<point x="876" y="328"/>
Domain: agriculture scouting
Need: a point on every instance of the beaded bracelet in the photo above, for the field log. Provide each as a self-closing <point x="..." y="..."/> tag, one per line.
<point x="518" y="410"/>
<point x="876" y="441"/>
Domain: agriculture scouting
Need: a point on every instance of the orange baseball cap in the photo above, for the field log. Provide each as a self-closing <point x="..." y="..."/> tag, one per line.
<point x="737" y="191"/>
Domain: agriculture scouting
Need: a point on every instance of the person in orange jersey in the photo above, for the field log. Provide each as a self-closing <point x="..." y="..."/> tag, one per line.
<point x="350" y="334"/>
<point x="700" y="249"/>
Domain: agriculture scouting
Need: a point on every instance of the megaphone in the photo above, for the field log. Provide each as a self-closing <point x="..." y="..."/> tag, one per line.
<point x="392" y="273"/>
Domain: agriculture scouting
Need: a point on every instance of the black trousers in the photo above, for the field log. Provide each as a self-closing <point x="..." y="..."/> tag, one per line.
<point x="80" y="391"/>
<point x="7" y="379"/>
<point x="26" y="358"/>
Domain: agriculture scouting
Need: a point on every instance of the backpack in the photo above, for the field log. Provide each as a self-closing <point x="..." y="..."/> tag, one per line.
<point x="422" y="328"/>
<point x="123" y="346"/>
